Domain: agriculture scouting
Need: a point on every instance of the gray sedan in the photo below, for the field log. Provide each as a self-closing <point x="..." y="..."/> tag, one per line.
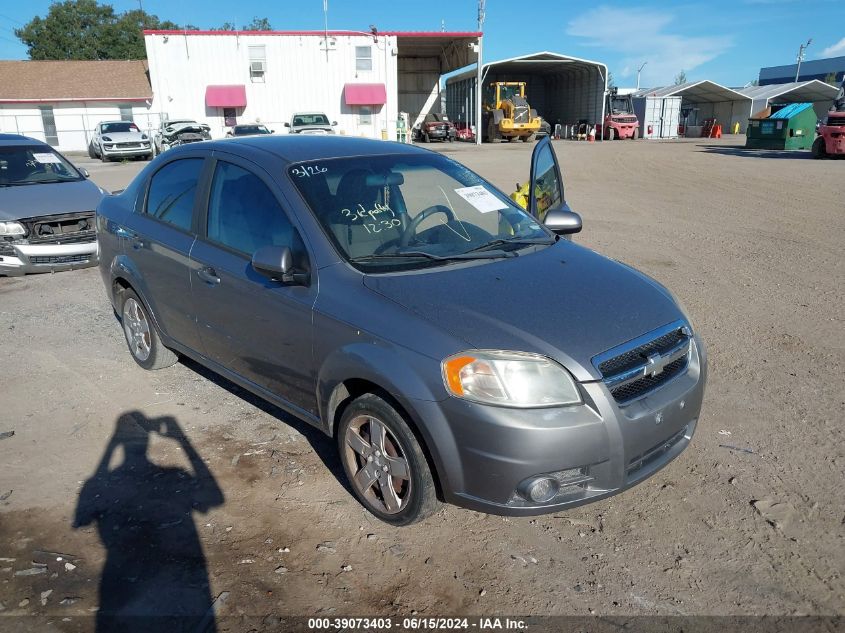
<point x="46" y="209"/>
<point x="455" y="346"/>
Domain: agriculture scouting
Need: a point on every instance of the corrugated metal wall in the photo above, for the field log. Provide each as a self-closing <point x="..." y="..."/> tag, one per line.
<point x="419" y="86"/>
<point x="300" y="76"/>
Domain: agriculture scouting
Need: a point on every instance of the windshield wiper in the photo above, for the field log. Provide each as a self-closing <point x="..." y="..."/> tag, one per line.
<point x="424" y="255"/>
<point x="513" y="240"/>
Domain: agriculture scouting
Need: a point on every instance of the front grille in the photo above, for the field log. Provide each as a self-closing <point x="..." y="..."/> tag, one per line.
<point x="59" y="259"/>
<point x="67" y="228"/>
<point x="635" y="371"/>
<point x="128" y="145"/>
<point x="647" y="383"/>
<point x="647" y="457"/>
<point x="631" y="358"/>
<point x="520" y="114"/>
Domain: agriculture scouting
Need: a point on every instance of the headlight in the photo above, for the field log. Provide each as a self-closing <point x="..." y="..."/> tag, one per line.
<point x="107" y="138"/>
<point x="515" y="379"/>
<point x="12" y="228"/>
<point x="143" y="137"/>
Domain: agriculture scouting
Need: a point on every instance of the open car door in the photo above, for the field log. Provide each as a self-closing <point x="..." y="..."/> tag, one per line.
<point x="546" y="200"/>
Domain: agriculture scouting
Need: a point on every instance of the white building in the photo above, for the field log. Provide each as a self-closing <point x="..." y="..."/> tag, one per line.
<point x="361" y="80"/>
<point x="61" y="102"/>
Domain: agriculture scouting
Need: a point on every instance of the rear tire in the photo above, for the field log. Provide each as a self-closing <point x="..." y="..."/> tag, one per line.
<point x="530" y="138"/>
<point x="636" y="134"/>
<point x="141" y="335"/>
<point x="819" y="150"/>
<point x="384" y="463"/>
<point x="91" y="152"/>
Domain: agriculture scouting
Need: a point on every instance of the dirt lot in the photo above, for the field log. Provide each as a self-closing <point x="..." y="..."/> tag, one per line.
<point x="751" y="244"/>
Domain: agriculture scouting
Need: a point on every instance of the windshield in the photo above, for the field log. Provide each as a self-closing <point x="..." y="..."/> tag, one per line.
<point x="122" y="126"/>
<point x="310" y="119"/>
<point x="395" y="212"/>
<point x="508" y="92"/>
<point x="32" y="165"/>
<point x="251" y="129"/>
<point x="620" y="105"/>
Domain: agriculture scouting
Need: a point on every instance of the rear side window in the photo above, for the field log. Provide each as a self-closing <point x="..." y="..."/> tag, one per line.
<point x="172" y="191"/>
<point x="243" y="213"/>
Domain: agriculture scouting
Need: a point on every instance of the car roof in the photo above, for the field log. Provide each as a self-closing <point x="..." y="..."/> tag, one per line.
<point x="18" y="139"/>
<point x="296" y="148"/>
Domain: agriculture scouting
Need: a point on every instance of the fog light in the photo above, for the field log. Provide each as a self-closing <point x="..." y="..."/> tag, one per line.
<point x="539" y="489"/>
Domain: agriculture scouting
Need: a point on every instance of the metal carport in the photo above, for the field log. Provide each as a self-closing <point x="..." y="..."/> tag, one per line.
<point x="422" y="58"/>
<point x="819" y="93"/>
<point x="561" y="88"/>
<point x="709" y="100"/>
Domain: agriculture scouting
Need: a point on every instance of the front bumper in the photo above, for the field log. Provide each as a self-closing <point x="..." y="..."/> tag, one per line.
<point x="140" y="149"/>
<point x="613" y="447"/>
<point x="45" y="258"/>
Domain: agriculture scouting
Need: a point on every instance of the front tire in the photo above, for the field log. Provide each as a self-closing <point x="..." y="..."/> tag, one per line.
<point x="384" y="463"/>
<point x="141" y="336"/>
<point x="611" y="134"/>
<point x="819" y="150"/>
<point x="91" y="152"/>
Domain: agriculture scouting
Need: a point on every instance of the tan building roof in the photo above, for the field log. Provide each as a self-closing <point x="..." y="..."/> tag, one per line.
<point x="107" y="80"/>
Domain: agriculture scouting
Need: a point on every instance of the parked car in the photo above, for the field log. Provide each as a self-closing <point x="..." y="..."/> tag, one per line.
<point x="180" y="132"/>
<point x="315" y="123"/>
<point x="435" y="126"/>
<point x="119" y="139"/>
<point x="46" y="209"/>
<point x="451" y="342"/>
<point x="248" y="129"/>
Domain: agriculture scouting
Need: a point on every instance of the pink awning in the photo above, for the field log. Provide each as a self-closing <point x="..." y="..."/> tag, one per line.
<point x="364" y="94"/>
<point x="225" y="96"/>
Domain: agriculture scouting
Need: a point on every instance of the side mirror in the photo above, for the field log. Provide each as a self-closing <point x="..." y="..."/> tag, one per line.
<point x="563" y="221"/>
<point x="287" y="124"/>
<point x="84" y="172"/>
<point x="272" y="131"/>
<point x="276" y="262"/>
<point x="334" y="122"/>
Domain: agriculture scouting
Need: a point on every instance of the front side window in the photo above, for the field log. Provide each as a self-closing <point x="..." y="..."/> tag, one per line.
<point x="32" y="165"/>
<point x="244" y="215"/>
<point x="395" y="212"/>
<point x="547" y="189"/>
<point x="172" y="191"/>
<point x="363" y="58"/>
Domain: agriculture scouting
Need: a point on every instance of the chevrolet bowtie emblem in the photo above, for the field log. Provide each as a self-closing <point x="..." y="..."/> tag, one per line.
<point x="655" y="364"/>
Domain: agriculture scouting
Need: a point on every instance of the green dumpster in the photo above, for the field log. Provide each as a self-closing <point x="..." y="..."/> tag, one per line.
<point x="784" y="126"/>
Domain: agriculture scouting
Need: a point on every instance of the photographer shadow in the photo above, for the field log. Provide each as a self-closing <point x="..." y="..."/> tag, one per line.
<point x="155" y="575"/>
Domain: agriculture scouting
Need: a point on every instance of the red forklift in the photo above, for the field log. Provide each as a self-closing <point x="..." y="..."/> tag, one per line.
<point x="619" y="118"/>
<point x="831" y="139"/>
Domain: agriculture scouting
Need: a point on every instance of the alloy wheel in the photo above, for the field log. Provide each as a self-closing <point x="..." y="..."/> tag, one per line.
<point x="382" y="474"/>
<point x="136" y="327"/>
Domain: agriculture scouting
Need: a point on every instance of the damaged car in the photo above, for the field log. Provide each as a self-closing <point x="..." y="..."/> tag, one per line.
<point x="46" y="209"/>
<point x="181" y="132"/>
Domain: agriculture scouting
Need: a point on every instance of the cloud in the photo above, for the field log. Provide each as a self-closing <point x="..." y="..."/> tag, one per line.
<point x="640" y="35"/>
<point x="835" y="50"/>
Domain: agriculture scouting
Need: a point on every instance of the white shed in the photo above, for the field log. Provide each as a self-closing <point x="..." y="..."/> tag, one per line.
<point x="362" y="80"/>
<point x="659" y="116"/>
<point x="708" y="100"/>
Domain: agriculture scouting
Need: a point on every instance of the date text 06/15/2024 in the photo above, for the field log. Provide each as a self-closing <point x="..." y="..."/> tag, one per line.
<point x="379" y="624"/>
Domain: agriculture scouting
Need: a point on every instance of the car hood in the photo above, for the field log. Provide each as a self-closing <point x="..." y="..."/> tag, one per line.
<point x="124" y="137"/>
<point x="27" y="201"/>
<point x="565" y="301"/>
<point x="179" y="128"/>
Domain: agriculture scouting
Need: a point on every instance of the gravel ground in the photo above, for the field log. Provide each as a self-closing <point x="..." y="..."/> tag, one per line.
<point x="751" y="243"/>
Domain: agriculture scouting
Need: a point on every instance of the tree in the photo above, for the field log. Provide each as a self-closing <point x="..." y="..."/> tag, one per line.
<point x="85" y="29"/>
<point x="258" y="24"/>
<point x="226" y="26"/>
<point x="680" y="78"/>
<point x="830" y="78"/>
<point x="753" y="82"/>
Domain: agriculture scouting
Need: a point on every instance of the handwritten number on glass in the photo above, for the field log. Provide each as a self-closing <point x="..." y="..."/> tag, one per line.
<point x="306" y="171"/>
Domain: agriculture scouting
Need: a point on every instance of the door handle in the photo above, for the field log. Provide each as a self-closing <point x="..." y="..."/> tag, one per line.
<point x="208" y="275"/>
<point x="124" y="233"/>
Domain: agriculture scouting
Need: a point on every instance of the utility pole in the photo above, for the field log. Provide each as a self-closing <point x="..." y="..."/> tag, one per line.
<point x="639" y="70"/>
<point x="801" y="50"/>
<point x="478" y="77"/>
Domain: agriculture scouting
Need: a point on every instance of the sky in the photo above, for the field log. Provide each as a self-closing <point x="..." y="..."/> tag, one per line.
<point x="726" y="41"/>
